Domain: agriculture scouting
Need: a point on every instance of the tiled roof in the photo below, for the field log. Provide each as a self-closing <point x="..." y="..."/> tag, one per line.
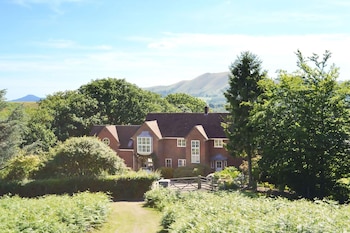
<point x="180" y="124"/>
<point x="125" y="132"/>
<point x="96" y="129"/>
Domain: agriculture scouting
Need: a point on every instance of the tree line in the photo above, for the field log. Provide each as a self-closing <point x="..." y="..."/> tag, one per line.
<point x="28" y="140"/>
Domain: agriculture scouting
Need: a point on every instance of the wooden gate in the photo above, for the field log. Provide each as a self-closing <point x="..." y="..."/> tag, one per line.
<point x="193" y="183"/>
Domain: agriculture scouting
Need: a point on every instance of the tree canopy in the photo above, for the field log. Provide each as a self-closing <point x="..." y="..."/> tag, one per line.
<point x="186" y="103"/>
<point x="303" y="127"/>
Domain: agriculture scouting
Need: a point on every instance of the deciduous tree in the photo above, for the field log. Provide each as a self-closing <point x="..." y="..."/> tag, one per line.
<point x="303" y="122"/>
<point x="186" y="103"/>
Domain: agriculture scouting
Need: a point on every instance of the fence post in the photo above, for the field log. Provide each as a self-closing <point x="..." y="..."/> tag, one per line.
<point x="199" y="182"/>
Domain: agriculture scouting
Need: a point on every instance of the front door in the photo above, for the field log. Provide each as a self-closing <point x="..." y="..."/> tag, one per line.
<point x="218" y="165"/>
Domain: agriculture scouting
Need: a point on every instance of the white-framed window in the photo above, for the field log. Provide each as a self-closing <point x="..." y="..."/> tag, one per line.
<point x="181" y="142"/>
<point x="144" y="145"/>
<point x="168" y="162"/>
<point x="225" y="163"/>
<point x="181" y="163"/>
<point x="195" y="151"/>
<point x="106" y="141"/>
<point x="218" y="143"/>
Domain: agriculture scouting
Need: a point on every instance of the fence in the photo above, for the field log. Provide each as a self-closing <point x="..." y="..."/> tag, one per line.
<point x="192" y="183"/>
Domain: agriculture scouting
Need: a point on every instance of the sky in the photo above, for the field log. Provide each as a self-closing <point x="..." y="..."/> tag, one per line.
<point x="48" y="46"/>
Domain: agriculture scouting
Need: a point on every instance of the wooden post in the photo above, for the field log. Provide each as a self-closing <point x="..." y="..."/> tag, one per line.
<point x="199" y="182"/>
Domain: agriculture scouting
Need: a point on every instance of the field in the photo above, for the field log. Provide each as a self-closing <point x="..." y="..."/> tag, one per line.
<point x="78" y="213"/>
<point x="235" y="212"/>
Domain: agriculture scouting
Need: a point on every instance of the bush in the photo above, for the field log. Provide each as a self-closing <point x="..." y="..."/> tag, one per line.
<point x="131" y="186"/>
<point x="191" y="170"/>
<point x="229" y="178"/>
<point x="21" y="167"/>
<point x="78" y="213"/>
<point x="233" y="212"/>
<point x="167" y="172"/>
<point x="82" y="156"/>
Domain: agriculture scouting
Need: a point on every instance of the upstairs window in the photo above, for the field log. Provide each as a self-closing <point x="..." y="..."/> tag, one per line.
<point x="144" y="143"/>
<point x="181" y="142"/>
<point x="218" y="143"/>
<point x="106" y="141"/>
<point x="195" y="151"/>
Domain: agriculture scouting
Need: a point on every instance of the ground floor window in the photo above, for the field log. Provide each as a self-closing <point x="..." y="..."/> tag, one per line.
<point x="168" y="162"/>
<point x="195" y="151"/>
<point x="181" y="163"/>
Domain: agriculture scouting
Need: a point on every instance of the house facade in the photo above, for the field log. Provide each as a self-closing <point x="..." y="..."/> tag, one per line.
<point x="170" y="140"/>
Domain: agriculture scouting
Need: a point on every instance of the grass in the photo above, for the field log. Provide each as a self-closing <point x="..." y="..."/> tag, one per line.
<point x="131" y="217"/>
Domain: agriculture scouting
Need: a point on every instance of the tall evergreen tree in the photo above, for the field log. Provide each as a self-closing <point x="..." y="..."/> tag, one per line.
<point x="243" y="91"/>
<point x="11" y="128"/>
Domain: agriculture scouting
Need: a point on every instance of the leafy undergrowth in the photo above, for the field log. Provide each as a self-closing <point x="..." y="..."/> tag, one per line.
<point x="78" y="213"/>
<point x="233" y="212"/>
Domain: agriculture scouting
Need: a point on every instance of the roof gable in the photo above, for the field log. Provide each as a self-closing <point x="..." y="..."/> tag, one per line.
<point x="125" y="133"/>
<point x="180" y="124"/>
<point x="153" y="125"/>
<point x="200" y="129"/>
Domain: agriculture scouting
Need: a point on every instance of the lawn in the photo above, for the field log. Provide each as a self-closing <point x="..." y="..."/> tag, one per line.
<point x="131" y="217"/>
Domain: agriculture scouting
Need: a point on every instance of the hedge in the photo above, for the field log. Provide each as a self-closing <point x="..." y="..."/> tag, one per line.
<point x="125" y="187"/>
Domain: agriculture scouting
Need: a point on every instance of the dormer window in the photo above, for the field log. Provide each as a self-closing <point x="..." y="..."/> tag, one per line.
<point x="106" y="141"/>
<point x="144" y="143"/>
<point x="218" y="143"/>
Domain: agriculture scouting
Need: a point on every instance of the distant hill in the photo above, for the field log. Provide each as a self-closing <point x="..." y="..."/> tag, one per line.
<point x="27" y="98"/>
<point x="205" y="85"/>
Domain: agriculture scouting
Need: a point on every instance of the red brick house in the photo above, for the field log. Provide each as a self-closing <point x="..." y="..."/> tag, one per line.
<point x="170" y="140"/>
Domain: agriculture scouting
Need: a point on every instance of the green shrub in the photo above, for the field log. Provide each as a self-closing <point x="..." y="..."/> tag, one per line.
<point x="228" y="178"/>
<point x="233" y="212"/>
<point x="21" y="167"/>
<point x="82" y="156"/>
<point x="166" y="172"/>
<point x="130" y="186"/>
<point x="191" y="170"/>
<point x="78" y="213"/>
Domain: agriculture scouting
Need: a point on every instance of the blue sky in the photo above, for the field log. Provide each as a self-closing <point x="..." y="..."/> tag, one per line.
<point x="56" y="45"/>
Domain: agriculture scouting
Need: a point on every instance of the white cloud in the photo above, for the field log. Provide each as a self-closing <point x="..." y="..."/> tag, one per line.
<point x="189" y="56"/>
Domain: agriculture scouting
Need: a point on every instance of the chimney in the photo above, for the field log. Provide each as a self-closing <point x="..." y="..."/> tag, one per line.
<point x="206" y="110"/>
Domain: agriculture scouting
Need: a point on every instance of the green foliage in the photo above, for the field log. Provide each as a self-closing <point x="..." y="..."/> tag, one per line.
<point x="128" y="186"/>
<point x="78" y="213"/>
<point x="82" y="156"/>
<point x="11" y="128"/>
<point x="241" y="95"/>
<point x="303" y="126"/>
<point x="186" y="103"/>
<point x="120" y="102"/>
<point x="229" y="178"/>
<point x="192" y="170"/>
<point x="21" y="167"/>
<point x="71" y="114"/>
<point x="234" y="212"/>
<point x="166" y="172"/>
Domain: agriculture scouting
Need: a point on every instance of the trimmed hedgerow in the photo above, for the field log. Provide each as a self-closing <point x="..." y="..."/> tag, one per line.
<point x="233" y="212"/>
<point x="130" y="186"/>
<point x="78" y="213"/>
